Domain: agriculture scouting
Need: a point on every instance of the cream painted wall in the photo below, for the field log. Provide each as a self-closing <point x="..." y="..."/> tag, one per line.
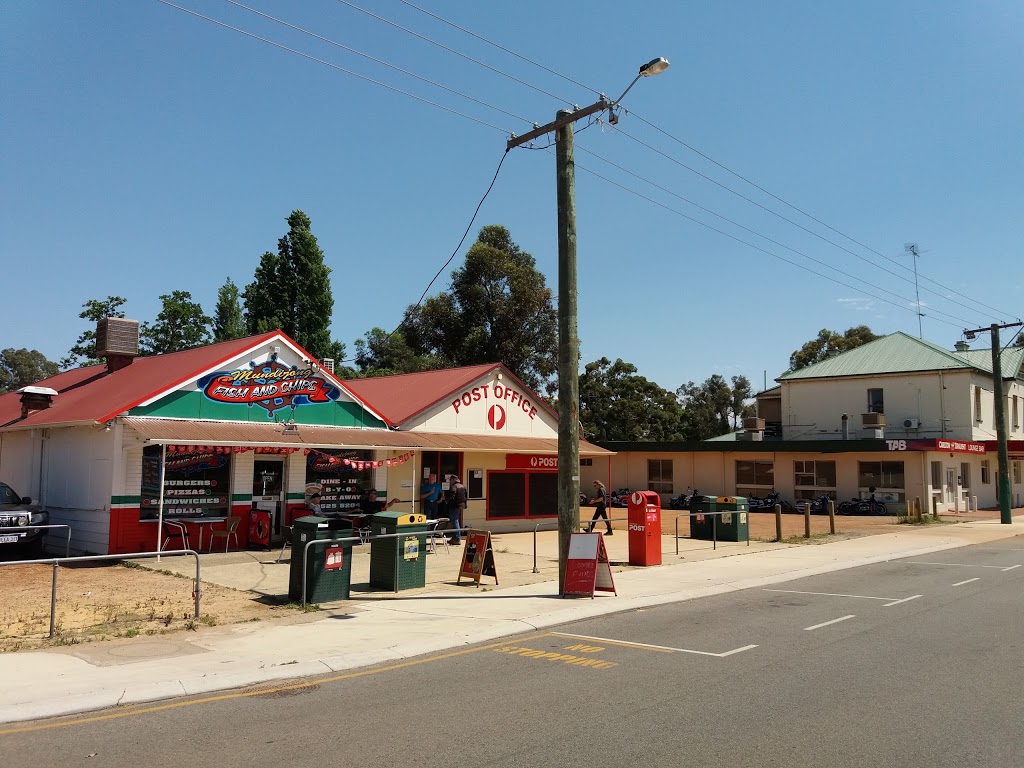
<point x="19" y="462"/>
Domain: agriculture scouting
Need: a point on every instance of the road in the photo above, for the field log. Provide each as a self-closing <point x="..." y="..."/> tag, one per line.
<point x="915" y="662"/>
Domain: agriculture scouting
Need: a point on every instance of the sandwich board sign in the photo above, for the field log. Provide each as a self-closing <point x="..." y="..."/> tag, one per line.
<point x="587" y="568"/>
<point x="477" y="557"/>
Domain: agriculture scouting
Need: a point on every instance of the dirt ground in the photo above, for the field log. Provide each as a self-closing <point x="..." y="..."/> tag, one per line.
<point x="96" y="602"/>
<point x="100" y="601"/>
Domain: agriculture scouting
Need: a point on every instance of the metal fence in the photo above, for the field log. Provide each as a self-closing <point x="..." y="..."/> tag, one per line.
<point x="67" y="547"/>
<point x="57" y="561"/>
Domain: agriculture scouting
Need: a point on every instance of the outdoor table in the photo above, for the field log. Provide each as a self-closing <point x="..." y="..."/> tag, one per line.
<point x="199" y="522"/>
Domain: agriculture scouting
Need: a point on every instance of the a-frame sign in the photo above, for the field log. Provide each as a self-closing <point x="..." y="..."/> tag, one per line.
<point x="587" y="568"/>
<point x="477" y="557"/>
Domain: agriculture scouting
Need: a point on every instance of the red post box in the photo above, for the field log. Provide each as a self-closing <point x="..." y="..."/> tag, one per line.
<point x="644" y="528"/>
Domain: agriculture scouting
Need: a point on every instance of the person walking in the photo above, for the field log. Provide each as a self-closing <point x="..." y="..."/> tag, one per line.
<point x="457" y="507"/>
<point x="601" y="499"/>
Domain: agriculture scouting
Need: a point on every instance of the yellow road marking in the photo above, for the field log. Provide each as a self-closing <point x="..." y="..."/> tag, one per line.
<point x="250" y="694"/>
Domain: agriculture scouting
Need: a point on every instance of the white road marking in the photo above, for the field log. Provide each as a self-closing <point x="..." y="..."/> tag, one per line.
<point x="963" y="565"/>
<point x="904" y="600"/>
<point x="827" y="623"/>
<point x="830" y="594"/>
<point x="656" y="647"/>
<point x="968" y="581"/>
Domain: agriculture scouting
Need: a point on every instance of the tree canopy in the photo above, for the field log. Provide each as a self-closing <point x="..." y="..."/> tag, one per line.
<point x="497" y="308"/>
<point x="291" y="290"/>
<point x="21" y="367"/>
<point x="381" y="353"/>
<point x="94" y="310"/>
<point x="616" y="403"/>
<point x="180" y="325"/>
<point x="228" y="322"/>
<point x="714" y="407"/>
<point x="829" y="343"/>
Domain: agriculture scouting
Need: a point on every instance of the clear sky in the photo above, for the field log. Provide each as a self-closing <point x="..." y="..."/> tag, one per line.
<point x="147" y="150"/>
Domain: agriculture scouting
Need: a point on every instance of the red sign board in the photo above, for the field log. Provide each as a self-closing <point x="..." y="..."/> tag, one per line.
<point x="334" y="558"/>
<point x="587" y="568"/>
<point x="530" y="461"/>
<point x="477" y="557"/>
<point x="938" y="444"/>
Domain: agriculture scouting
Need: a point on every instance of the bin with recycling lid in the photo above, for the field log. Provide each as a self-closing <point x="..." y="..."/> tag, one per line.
<point x="398" y="562"/>
<point x="734" y="524"/>
<point x="328" y="567"/>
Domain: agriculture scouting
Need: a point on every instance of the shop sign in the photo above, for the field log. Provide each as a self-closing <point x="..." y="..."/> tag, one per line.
<point x="498" y="399"/>
<point x="195" y="462"/>
<point x="270" y="385"/>
<point x="530" y="461"/>
<point x="938" y="444"/>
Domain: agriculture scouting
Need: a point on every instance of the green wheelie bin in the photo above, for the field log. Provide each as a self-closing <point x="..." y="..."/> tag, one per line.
<point x="734" y="525"/>
<point x="702" y="511"/>
<point x="328" y="569"/>
<point x="398" y="562"/>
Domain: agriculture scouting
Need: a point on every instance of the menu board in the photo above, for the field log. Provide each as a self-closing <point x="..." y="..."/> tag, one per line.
<point x="195" y="484"/>
<point x="341" y="483"/>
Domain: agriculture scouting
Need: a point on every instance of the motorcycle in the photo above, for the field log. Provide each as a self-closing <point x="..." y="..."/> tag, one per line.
<point x="869" y="506"/>
<point x="819" y="505"/>
<point x="682" y="501"/>
<point x="620" y="498"/>
<point x="767" y="503"/>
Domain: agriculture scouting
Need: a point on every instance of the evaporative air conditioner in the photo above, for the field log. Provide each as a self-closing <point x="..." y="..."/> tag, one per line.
<point x="911" y="423"/>
<point x="873" y="420"/>
<point x="753" y="424"/>
<point x="117" y="336"/>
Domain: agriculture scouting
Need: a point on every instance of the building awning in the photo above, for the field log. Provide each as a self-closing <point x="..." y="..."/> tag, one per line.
<point x="189" y="432"/>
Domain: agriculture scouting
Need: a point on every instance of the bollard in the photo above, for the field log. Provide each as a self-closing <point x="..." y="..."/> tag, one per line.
<point x="778" y="522"/>
<point x="832" y="516"/>
<point x="53" y="599"/>
<point x="807" y="520"/>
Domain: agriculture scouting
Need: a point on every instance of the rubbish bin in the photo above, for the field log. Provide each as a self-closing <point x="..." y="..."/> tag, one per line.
<point x="702" y="509"/>
<point x="734" y="524"/>
<point x="328" y="566"/>
<point x="644" y="528"/>
<point x="398" y="562"/>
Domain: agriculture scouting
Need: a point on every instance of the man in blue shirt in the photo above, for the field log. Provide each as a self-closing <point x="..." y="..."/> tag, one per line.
<point x="430" y="493"/>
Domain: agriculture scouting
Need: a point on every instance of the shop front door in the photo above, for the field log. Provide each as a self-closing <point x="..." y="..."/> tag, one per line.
<point x="268" y="491"/>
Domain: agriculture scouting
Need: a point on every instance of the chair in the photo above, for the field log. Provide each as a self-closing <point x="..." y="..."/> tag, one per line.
<point x="435" y="532"/>
<point x="230" y="529"/>
<point x="286" y="532"/>
<point x="174" y="529"/>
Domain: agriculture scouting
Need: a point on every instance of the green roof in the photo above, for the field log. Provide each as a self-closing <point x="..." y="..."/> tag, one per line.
<point x="900" y="353"/>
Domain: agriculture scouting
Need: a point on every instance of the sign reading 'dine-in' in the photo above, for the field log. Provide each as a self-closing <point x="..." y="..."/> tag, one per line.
<point x="270" y="385"/>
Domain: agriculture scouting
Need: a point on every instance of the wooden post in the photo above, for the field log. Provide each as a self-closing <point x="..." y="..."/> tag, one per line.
<point x="807" y="519"/>
<point x="832" y="516"/>
<point x="778" y="522"/>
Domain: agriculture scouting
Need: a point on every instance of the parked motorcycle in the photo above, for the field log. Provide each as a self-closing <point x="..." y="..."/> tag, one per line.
<point x="767" y="503"/>
<point x="869" y="506"/>
<point x="819" y="504"/>
<point x="682" y="501"/>
<point x="620" y="498"/>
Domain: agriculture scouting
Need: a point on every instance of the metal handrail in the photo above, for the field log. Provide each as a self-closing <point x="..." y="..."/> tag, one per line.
<point x="56" y="561"/>
<point x="67" y="548"/>
<point x="353" y="539"/>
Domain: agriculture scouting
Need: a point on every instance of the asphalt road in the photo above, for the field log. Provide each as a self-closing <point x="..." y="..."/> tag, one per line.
<point x="915" y="662"/>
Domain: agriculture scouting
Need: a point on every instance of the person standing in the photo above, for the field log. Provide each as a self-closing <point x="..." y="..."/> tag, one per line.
<point x="430" y="494"/>
<point x="601" y="499"/>
<point x="457" y="507"/>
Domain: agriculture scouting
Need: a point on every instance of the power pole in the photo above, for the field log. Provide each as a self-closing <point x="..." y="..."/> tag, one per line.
<point x="911" y="248"/>
<point x="568" y="340"/>
<point x="1003" y="473"/>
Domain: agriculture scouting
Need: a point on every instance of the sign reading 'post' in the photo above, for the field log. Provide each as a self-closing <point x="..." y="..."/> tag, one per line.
<point x="477" y="557"/>
<point x="587" y="568"/>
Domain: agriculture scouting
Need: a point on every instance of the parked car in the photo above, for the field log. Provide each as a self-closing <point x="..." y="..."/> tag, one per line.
<point x="16" y="514"/>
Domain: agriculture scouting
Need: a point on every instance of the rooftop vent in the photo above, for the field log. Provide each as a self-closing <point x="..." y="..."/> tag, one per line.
<point x="961" y="346"/>
<point x="327" y="364"/>
<point x="35" y="399"/>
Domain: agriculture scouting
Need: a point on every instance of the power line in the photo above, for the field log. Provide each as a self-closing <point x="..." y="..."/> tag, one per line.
<point x="334" y="66"/>
<point x="377" y="61"/>
<point x="453" y="51"/>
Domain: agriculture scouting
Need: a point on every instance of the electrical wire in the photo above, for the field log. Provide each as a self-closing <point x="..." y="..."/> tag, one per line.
<point x="334" y="66"/>
<point x="453" y="51"/>
<point x="377" y="61"/>
<point x="946" y="288"/>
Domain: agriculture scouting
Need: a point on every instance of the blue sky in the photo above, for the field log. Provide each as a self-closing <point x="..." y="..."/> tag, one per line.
<point x="146" y="150"/>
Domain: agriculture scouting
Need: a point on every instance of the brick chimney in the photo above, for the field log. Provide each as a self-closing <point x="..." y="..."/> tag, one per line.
<point x="35" y="399"/>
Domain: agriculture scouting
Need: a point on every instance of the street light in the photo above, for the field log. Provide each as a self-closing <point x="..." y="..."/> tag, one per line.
<point x="568" y="340"/>
<point x="1003" y="472"/>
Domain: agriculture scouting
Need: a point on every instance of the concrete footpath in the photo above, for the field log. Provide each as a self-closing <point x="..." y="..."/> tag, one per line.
<point x="63" y="681"/>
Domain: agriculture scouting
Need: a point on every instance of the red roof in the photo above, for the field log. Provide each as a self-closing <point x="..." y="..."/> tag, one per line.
<point x="401" y="397"/>
<point x="90" y="394"/>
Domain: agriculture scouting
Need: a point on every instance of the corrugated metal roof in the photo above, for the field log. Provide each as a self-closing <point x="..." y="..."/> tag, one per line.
<point x="895" y="353"/>
<point x="1010" y="360"/>
<point x="191" y="432"/>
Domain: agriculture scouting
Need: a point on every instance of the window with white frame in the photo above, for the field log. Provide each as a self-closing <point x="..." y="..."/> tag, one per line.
<point x="965" y="475"/>
<point x="876" y="402"/>
<point x="1016" y="473"/>
<point x="886" y="477"/>
<point x="659" y="475"/>
<point x="1015" y="410"/>
<point x="977" y="405"/>
<point x="936" y="474"/>
<point x="754" y="478"/>
<point x="814" y="478"/>
<point x="986" y="472"/>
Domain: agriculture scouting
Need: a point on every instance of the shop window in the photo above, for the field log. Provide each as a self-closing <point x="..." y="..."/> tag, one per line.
<point x="542" y="499"/>
<point x="475" y="483"/>
<point x="659" y="475"/>
<point x="936" y="474"/>
<point x="196" y="483"/>
<point x="814" y="478"/>
<point x="586" y="462"/>
<point x="965" y="475"/>
<point x="1015" y="409"/>
<point x="886" y="477"/>
<point x="506" y="494"/>
<point x="977" y="405"/>
<point x="343" y="475"/>
<point x="876" y="402"/>
<point x="443" y="464"/>
<point x="1016" y="473"/>
<point x="755" y="473"/>
<point x="986" y="472"/>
